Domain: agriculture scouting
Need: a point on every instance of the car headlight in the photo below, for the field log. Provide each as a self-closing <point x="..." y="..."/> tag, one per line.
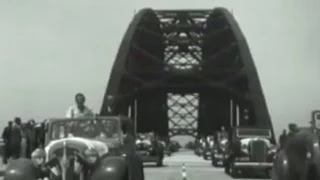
<point x="38" y="157"/>
<point x="223" y="149"/>
<point x="272" y="150"/>
<point x="211" y="143"/>
<point x="244" y="148"/>
<point x="92" y="159"/>
<point x="91" y="156"/>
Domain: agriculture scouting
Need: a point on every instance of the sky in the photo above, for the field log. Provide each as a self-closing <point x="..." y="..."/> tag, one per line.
<point x="50" y="50"/>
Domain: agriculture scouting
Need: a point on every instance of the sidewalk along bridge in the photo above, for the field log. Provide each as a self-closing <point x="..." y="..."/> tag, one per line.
<point x="185" y="72"/>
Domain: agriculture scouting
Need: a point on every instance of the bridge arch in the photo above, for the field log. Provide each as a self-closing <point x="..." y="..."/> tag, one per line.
<point x="194" y="55"/>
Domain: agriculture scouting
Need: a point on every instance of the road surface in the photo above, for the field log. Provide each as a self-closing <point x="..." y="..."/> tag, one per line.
<point x="196" y="169"/>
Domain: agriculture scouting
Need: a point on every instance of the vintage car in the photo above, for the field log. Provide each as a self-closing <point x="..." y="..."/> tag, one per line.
<point x="250" y="152"/>
<point x="207" y="147"/>
<point x="150" y="149"/>
<point x="299" y="159"/>
<point x="199" y="146"/>
<point x="219" y="153"/>
<point x="167" y="150"/>
<point x="190" y="145"/>
<point x="172" y="146"/>
<point x="68" y="140"/>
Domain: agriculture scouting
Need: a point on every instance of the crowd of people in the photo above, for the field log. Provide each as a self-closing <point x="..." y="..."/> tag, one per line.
<point x="22" y="138"/>
<point x="293" y="129"/>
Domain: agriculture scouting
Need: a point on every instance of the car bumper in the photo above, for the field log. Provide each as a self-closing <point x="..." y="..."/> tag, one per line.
<point x="219" y="158"/>
<point x="150" y="158"/>
<point x="143" y="153"/>
<point x="254" y="164"/>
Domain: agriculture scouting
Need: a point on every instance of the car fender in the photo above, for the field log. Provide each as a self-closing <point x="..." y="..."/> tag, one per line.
<point x="111" y="168"/>
<point x="20" y="169"/>
<point x="135" y="166"/>
<point x="299" y="153"/>
<point x="280" y="167"/>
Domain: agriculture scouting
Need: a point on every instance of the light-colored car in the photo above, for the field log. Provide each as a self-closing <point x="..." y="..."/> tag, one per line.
<point x="67" y="140"/>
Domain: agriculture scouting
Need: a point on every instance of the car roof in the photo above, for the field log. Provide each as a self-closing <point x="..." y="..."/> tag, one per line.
<point x="51" y="120"/>
<point x="247" y="132"/>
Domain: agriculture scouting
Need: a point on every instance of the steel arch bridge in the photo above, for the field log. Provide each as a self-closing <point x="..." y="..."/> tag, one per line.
<point x="185" y="72"/>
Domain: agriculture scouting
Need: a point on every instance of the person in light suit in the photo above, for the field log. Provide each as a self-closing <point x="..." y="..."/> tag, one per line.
<point x="80" y="109"/>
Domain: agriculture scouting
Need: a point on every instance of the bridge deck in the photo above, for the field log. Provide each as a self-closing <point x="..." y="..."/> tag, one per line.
<point x="196" y="169"/>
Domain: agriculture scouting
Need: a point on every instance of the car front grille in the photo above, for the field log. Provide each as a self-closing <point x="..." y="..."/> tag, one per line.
<point x="70" y="152"/>
<point x="258" y="151"/>
<point x="142" y="147"/>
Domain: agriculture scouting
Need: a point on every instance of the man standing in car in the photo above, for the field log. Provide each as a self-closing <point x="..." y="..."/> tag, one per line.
<point x="80" y="109"/>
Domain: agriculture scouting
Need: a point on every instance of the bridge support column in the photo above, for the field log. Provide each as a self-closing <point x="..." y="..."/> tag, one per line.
<point x="214" y="111"/>
<point x="152" y="113"/>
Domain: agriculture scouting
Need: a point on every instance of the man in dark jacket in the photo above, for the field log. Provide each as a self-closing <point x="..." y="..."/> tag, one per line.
<point x="40" y="134"/>
<point x="293" y="129"/>
<point x="235" y="151"/>
<point x="282" y="138"/>
<point x="31" y="137"/>
<point x="6" y="136"/>
<point x="16" y="138"/>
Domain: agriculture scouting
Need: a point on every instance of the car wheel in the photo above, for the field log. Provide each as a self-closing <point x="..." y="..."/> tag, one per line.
<point x="233" y="171"/>
<point x="169" y="153"/>
<point x="160" y="162"/>
<point x="268" y="173"/>
<point x="227" y="169"/>
<point x="214" y="162"/>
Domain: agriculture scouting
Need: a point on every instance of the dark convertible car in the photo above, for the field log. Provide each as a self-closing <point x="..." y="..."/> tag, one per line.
<point x="250" y="151"/>
<point x="218" y="154"/>
<point x="109" y="141"/>
<point x="300" y="158"/>
<point x="150" y="148"/>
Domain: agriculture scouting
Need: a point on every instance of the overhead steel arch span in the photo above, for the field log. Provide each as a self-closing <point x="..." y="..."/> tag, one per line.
<point x="185" y="72"/>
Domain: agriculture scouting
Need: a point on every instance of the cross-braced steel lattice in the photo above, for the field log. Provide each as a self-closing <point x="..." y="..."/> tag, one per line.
<point x="183" y="35"/>
<point x="183" y="114"/>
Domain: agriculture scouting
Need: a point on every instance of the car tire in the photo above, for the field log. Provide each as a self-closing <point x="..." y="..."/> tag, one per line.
<point x="214" y="162"/>
<point x="227" y="168"/>
<point x="233" y="171"/>
<point x="169" y="153"/>
<point x="159" y="162"/>
<point x="268" y="173"/>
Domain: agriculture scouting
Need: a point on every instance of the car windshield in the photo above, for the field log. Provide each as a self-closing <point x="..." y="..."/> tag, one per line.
<point x="248" y="133"/>
<point x="107" y="130"/>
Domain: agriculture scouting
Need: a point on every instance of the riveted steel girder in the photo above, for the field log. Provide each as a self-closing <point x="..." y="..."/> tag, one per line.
<point x="184" y="52"/>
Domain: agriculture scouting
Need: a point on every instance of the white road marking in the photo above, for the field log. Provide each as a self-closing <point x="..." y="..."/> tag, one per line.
<point x="184" y="172"/>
